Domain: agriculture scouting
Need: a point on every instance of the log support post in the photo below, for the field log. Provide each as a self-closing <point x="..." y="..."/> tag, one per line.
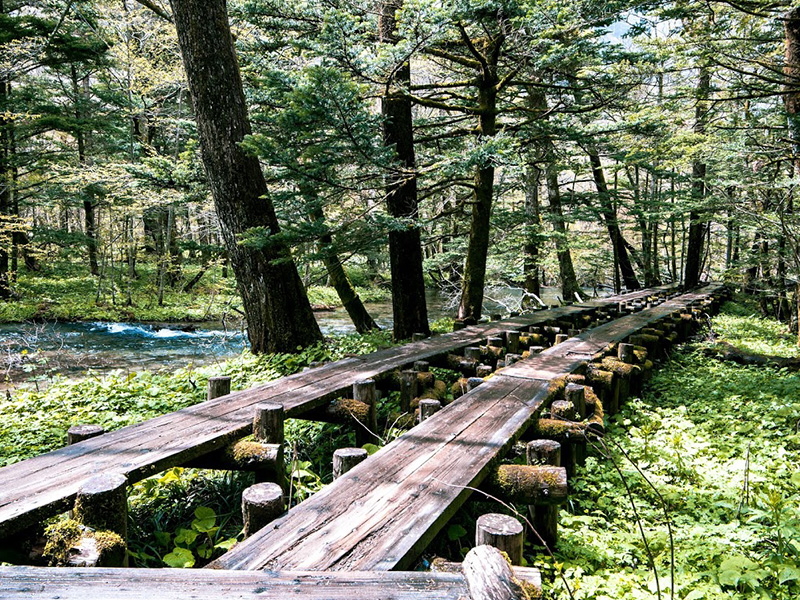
<point x="261" y="504"/>
<point x="102" y="505"/>
<point x="365" y="391"/>
<point x="544" y="517"/>
<point x="502" y="532"/>
<point x="219" y="386"/>
<point x="345" y="459"/>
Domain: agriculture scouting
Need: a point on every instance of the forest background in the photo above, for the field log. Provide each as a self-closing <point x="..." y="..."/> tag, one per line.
<point x="577" y="144"/>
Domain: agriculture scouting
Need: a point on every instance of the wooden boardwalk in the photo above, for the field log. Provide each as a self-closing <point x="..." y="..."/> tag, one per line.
<point x="35" y="489"/>
<point x="385" y="511"/>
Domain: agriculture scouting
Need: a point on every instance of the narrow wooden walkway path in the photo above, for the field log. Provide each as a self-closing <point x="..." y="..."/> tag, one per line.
<point x="385" y="511"/>
<point x="35" y="489"/>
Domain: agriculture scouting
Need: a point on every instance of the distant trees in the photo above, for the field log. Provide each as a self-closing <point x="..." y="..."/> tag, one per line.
<point x="459" y="144"/>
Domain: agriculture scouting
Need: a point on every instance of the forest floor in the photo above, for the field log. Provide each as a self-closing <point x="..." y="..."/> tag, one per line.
<point x="711" y="449"/>
<point x="65" y="291"/>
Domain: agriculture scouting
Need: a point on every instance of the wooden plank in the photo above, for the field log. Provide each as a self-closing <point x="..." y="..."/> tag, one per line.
<point x="383" y="513"/>
<point x="379" y="514"/>
<point x="39" y="487"/>
<point x="31" y="583"/>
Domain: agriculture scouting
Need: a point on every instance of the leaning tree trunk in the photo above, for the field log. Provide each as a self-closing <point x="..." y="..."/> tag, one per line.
<point x="279" y="316"/>
<point x="475" y="267"/>
<point x="697" y="224"/>
<point x="409" y="306"/>
<point x="348" y="296"/>
<point x="609" y="215"/>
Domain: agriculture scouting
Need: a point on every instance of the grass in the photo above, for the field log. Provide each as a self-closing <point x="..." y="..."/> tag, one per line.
<point x="720" y="443"/>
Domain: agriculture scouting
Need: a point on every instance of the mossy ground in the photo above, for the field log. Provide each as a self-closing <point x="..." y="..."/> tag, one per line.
<point x="720" y="443"/>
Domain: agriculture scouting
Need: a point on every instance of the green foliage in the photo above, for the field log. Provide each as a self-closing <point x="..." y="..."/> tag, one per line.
<point x="719" y="441"/>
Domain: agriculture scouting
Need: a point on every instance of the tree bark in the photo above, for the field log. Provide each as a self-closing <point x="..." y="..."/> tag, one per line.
<point x="89" y="221"/>
<point x="533" y="227"/>
<point x="337" y="276"/>
<point x="409" y="306"/>
<point x="569" y="283"/>
<point x="697" y="224"/>
<point x="609" y="215"/>
<point x="475" y="267"/>
<point x="6" y="183"/>
<point x="278" y="312"/>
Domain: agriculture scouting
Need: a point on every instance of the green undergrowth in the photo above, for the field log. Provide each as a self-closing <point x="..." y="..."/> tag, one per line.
<point x="719" y="442"/>
<point x="65" y="291"/>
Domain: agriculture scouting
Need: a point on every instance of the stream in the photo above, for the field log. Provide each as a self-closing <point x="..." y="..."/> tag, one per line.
<point x="35" y="352"/>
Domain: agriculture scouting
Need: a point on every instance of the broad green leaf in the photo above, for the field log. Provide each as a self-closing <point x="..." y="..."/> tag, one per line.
<point x="205" y="519"/>
<point x="455" y="532"/>
<point x="180" y="558"/>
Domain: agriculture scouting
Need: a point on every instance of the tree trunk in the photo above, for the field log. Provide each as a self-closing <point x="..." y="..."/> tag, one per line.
<point x="697" y="224"/>
<point x="6" y="183"/>
<point x="409" y="306"/>
<point x="609" y="215"/>
<point x="89" y="221"/>
<point x="475" y="267"/>
<point x="533" y="229"/>
<point x="279" y="316"/>
<point x="569" y="284"/>
<point x="337" y="276"/>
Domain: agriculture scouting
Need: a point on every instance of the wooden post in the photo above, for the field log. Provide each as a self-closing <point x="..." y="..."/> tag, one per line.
<point x="473" y="382"/>
<point x="458" y="325"/>
<point x="483" y="371"/>
<point x="422" y="366"/>
<point x="563" y="410"/>
<point x="78" y="433"/>
<point x="625" y="353"/>
<point x="427" y="408"/>
<point x="268" y="423"/>
<point x="102" y="503"/>
<point x="418" y="337"/>
<point x="472" y="353"/>
<point x="494" y="342"/>
<point x="543" y="452"/>
<point x="512" y="341"/>
<point x="560" y="337"/>
<point x="219" y="386"/>
<point x="501" y="532"/>
<point x="489" y="577"/>
<point x="576" y="394"/>
<point x="365" y="391"/>
<point x="261" y="504"/>
<point x="544" y="518"/>
<point x="408" y="389"/>
<point x="345" y="459"/>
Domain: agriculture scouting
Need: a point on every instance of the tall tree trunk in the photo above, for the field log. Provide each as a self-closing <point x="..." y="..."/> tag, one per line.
<point x="6" y="183"/>
<point x="533" y="228"/>
<point x="409" y="307"/>
<point x="609" y="215"/>
<point x="569" y="283"/>
<point x="337" y="276"/>
<point x="89" y="220"/>
<point x="697" y="223"/>
<point x="279" y="316"/>
<point x="475" y="266"/>
<point x="791" y="71"/>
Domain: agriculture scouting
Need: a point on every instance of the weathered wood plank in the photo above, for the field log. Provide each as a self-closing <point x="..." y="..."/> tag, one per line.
<point x="30" y="583"/>
<point x="39" y="487"/>
<point x="385" y="511"/>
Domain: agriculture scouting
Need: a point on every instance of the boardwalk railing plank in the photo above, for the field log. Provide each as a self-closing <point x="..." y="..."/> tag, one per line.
<point x="31" y="583"/>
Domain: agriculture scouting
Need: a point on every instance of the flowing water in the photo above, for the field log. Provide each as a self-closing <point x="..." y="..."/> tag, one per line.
<point x="37" y="351"/>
